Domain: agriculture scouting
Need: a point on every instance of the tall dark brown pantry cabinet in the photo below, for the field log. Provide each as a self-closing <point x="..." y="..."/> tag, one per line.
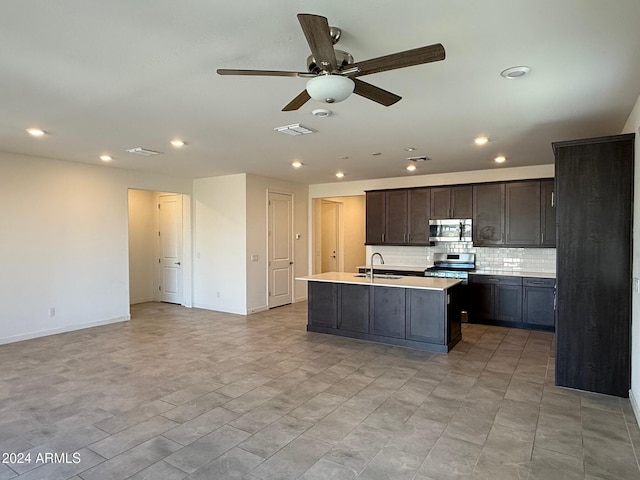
<point x="594" y="208"/>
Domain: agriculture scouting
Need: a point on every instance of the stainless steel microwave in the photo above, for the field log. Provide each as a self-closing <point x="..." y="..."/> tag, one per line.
<point x="450" y="230"/>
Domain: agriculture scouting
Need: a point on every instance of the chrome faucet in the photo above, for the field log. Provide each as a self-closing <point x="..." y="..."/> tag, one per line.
<point x="381" y="262"/>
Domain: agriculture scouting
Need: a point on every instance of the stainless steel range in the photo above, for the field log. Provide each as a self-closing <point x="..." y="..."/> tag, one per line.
<point x="452" y="265"/>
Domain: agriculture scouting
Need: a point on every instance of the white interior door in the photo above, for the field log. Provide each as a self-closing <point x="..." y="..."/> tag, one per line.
<point x="170" y="235"/>
<point x="330" y="219"/>
<point x="280" y="249"/>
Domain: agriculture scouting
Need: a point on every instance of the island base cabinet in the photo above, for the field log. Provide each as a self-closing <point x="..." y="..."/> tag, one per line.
<point x="419" y="302"/>
<point x="353" y="308"/>
<point x="388" y="311"/>
<point x="323" y="304"/>
<point x="423" y="319"/>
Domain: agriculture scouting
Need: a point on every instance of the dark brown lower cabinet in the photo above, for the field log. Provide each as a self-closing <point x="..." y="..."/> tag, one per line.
<point x="410" y="317"/>
<point x="388" y="311"/>
<point x="538" y="301"/>
<point x="594" y="208"/>
<point x="419" y="302"/>
<point x="496" y="298"/>
<point x="353" y="307"/>
<point x="323" y="304"/>
<point x="523" y="302"/>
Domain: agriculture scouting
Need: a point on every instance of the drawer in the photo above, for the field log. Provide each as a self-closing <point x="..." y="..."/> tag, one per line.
<point x="539" y="282"/>
<point x="496" y="279"/>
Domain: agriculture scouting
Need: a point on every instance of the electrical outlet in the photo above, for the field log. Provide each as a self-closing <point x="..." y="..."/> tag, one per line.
<point x="52" y="312"/>
<point x="636" y="285"/>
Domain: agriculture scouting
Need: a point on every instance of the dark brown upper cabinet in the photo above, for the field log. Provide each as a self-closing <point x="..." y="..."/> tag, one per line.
<point x="548" y="213"/>
<point x="419" y="202"/>
<point x="451" y="202"/>
<point x="488" y="214"/>
<point x="514" y="214"/>
<point x="375" y="217"/>
<point x="522" y="213"/>
<point x="396" y="216"/>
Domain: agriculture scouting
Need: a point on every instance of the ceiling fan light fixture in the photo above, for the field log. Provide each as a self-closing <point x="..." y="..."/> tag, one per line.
<point x="330" y="88"/>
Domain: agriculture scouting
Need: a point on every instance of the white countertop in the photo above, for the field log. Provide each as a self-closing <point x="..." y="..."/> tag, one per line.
<point x="492" y="271"/>
<point x="425" y="283"/>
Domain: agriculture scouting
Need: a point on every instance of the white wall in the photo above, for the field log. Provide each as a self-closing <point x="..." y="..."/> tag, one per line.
<point x="633" y="126"/>
<point x="352" y="231"/>
<point x="341" y="189"/>
<point x="219" y="243"/>
<point x="256" y="238"/>
<point x="143" y="236"/>
<point x="64" y="239"/>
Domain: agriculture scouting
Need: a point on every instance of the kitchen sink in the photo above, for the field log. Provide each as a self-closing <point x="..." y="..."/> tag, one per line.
<point x="385" y="277"/>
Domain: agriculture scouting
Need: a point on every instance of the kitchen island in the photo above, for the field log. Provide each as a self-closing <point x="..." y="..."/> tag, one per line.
<point x="415" y="312"/>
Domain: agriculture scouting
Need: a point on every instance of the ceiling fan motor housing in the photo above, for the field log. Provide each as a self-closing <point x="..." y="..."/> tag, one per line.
<point x="343" y="59"/>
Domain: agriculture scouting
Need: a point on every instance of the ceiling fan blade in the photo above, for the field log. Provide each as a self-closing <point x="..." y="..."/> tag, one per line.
<point x="265" y="73"/>
<point x="316" y="30"/>
<point x="408" y="58"/>
<point x="374" y="93"/>
<point x="297" y="102"/>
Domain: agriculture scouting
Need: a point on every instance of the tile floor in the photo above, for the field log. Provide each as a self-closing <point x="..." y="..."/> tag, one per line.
<point x="185" y="393"/>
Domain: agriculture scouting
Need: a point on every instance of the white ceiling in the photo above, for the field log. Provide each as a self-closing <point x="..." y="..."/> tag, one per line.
<point x="104" y="76"/>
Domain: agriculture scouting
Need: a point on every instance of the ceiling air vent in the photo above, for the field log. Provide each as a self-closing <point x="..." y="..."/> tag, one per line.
<point x="421" y="158"/>
<point x="295" y="129"/>
<point x="143" y="151"/>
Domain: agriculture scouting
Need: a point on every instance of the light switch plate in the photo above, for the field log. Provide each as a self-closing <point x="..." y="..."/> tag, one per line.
<point x="636" y="285"/>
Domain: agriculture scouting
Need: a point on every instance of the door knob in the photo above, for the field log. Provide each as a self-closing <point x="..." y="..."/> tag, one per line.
<point x="177" y="263"/>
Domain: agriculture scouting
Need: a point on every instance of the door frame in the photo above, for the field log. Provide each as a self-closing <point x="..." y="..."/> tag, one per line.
<point x="267" y="272"/>
<point x="316" y="233"/>
<point x="339" y="233"/>
<point x="187" y="263"/>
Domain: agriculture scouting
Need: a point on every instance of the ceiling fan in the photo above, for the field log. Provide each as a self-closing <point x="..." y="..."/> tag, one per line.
<point x="333" y="72"/>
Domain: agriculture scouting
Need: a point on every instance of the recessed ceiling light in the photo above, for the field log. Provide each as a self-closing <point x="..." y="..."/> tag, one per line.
<point x="409" y="149"/>
<point x="344" y="158"/>
<point x="500" y="159"/>
<point x="105" y="158"/>
<point x="375" y="154"/>
<point x="514" y="73"/>
<point x="411" y="168"/>
<point x="36" y="132"/>
<point x="296" y="164"/>
<point x="176" y="142"/>
<point x="339" y="174"/>
<point x="481" y="140"/>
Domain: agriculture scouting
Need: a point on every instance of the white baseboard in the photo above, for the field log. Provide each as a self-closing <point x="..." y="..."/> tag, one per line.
<point x="135" y="301"/>
<point x="68" y="328"/>
<point x="262" y="308"/>
<point x="215" y="308"/>
<point x="300" y="299"/>
<point x="635" y="406"/>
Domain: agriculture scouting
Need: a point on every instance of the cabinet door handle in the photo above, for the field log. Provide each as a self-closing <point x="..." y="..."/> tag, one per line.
<point x="383" y="237"/>
<point x="542" y="237"/>
<point x="553" y="199"/>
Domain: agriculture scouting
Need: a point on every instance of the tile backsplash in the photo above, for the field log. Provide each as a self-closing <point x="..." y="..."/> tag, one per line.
<point x="541" y="260"/>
